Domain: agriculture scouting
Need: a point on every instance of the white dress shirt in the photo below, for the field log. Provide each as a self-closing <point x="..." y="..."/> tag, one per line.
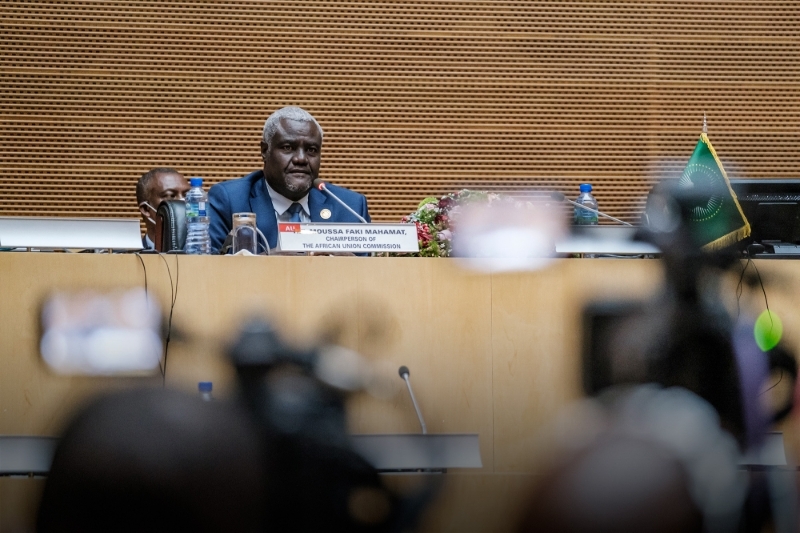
<point x="282" y="205"/>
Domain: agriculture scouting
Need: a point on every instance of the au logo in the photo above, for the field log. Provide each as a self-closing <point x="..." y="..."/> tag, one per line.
<point x="325" y="214"/>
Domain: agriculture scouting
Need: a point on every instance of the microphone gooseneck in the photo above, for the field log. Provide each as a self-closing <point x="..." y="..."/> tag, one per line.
<point x="320" y="185"/>
<point x="559" y="197"/>
<point x="404" y="373"/>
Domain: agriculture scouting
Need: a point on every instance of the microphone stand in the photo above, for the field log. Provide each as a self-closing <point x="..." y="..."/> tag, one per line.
<point x="561" y="198"/>
<point x="404" y="374"/>
<point x="319" y="184"/>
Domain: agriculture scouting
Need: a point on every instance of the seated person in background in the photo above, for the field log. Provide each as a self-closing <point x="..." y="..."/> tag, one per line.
<point x="153" y="187"/>
<point x="282" y="191"/>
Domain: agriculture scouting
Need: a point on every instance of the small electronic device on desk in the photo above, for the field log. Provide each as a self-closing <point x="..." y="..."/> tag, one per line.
<point x="60" y="233"/>
<point x="605" y="240"/>
<point x="772" y="206"/>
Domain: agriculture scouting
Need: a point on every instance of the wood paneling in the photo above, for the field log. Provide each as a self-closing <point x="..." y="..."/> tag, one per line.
<point x="497" y="354"/>
<point x="416" y="98"/>
<point x="19" y="502"/>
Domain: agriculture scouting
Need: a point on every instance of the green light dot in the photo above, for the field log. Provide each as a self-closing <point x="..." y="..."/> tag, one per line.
<point x="768" y="330"/>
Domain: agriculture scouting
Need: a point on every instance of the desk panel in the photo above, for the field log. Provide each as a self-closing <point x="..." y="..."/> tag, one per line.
<point x="494" y="354"/>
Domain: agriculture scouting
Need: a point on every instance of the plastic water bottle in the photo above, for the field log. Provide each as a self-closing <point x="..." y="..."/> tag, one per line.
<point x="204" y="388"/>
<point x="198" y="240"/>
<point x="582" y="216"/>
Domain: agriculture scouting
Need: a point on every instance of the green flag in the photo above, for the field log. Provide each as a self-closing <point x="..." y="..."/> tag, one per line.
<point x="716" y="220"/>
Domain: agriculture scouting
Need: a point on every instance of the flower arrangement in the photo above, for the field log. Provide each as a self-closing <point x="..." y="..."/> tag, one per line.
<point x="435" y="223"/>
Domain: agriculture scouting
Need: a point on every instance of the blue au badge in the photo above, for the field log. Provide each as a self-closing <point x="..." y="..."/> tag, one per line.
<point x="325" y="214"/>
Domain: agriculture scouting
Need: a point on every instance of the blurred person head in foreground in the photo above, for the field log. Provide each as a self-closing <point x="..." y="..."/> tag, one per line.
<point x="279" y="459"/>
<point x="157" y="460"/>
<point x="155" y="186"/>
<point x="639" y="458"/>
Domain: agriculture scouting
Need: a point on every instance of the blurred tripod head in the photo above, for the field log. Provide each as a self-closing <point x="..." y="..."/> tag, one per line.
<point x="684" y="336"/>
<point x="297" y="396"/>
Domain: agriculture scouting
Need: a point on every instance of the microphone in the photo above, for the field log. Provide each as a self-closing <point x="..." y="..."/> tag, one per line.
<point x="404" y="374"/>
<point x="319" y="184"/>
<point x="559" y="197"/>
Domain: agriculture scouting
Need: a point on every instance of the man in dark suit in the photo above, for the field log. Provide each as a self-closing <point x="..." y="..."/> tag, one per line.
<point x="154" y="187"/>
<point x="282" y="192"/>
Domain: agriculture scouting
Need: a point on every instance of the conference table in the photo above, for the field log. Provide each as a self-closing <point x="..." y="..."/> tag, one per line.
<point x="492" y="353"/>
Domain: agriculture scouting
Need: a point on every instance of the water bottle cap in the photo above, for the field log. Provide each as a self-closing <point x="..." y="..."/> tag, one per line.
<point x="204" y="386"/>
<point x="586" y="187"/>
<point x="196" y="182"/>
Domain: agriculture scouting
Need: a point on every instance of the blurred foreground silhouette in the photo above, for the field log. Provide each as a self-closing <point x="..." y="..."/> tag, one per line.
<point x="157" y="460"/>
<point x="276" y="458"/>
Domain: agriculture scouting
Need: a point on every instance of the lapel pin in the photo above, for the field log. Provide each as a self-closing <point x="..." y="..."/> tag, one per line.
<point x="325" y="214"/>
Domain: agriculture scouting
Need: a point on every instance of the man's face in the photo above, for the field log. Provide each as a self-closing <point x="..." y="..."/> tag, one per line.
<point x="166" y="186"/>
<point x="291" y="163"/>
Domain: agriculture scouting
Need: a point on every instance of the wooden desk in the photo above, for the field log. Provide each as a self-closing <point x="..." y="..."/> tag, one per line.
<point x="493" y="354"/>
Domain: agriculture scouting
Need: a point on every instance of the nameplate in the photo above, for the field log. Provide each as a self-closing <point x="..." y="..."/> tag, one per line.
<point x="357" y="238"/>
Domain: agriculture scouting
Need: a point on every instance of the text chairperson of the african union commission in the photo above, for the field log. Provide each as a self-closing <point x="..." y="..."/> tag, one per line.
<point x="291" y="148"/>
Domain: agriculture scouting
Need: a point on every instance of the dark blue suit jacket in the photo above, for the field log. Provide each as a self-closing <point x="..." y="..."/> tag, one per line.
<point x="249" y="195"/>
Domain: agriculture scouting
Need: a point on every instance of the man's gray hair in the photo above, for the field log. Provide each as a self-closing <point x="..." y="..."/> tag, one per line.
<point x="291" y="113"/>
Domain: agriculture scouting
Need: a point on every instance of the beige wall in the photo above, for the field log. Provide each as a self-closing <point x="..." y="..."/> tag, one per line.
<point x="416" y="98"/>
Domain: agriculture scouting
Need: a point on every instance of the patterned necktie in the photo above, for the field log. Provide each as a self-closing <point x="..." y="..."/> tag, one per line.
<point x="294" y="210"/>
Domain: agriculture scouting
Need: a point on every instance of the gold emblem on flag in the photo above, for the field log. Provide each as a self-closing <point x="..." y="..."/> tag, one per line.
<point x="325" y="214"/>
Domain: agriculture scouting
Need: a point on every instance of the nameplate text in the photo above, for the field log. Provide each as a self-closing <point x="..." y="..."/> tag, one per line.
<point x="356" y="238"/>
